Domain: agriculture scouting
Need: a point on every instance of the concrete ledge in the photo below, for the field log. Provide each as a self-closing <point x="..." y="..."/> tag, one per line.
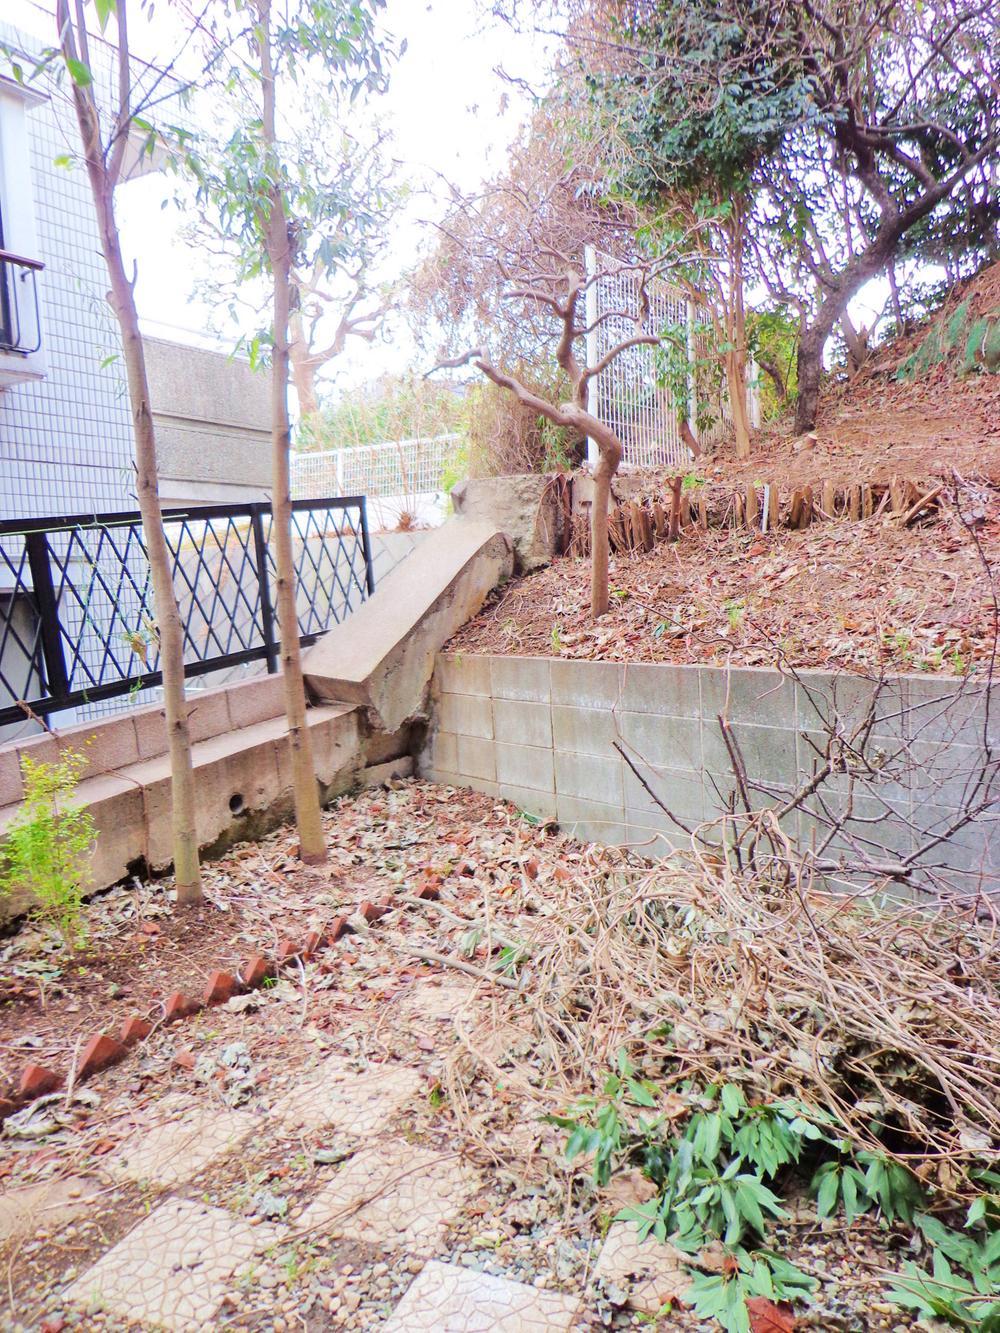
<point x="242" y="774"/>
<point x="382" y="657"/>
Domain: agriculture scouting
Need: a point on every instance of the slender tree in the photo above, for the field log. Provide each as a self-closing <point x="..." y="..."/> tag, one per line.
<point x="559" y="290"/>
<point x="269" y="204"/>
<point x="108" y="136"/>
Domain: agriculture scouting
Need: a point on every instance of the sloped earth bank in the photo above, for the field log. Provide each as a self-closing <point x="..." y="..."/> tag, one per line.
<point x="361" y="1144"/>
<point x="859" y="596"/>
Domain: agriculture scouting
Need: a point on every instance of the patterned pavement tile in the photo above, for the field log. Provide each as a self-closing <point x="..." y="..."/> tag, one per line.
<point x="45" y="1206"/>
<point x="447" y="1299"/>
<point x="176" y="1150"/>
<point x="652" y="1273"/>
<point x="355" y="1103"/>
<point x="395" y="1198"/>
<point x="172" y="1269"/>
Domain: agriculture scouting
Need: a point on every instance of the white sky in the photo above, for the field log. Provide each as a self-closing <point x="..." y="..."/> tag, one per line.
<point x="445" y="109"/>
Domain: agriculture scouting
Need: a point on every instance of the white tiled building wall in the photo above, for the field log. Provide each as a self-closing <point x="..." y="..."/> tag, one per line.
<point x="66" y="441"/>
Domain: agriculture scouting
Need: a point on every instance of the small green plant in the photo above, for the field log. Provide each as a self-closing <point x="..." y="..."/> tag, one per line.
<point x="761" y="1273"/>
<point x="734" y="607"/>
<point x="49" y="845"/>
<point x="556" y="639"/>
<point x="963" y="1284"/>
<point x="841" y="1184"/>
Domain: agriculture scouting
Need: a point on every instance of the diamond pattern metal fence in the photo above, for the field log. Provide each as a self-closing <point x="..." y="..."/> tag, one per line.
<point x="77" y="620"/>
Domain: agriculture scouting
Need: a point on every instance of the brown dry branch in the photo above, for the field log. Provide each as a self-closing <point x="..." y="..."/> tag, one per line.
<point x="888" y="1019"/>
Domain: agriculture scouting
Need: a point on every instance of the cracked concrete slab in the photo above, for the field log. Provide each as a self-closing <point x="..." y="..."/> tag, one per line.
<point x="177" y="1149"/>
<point x="352" y="1102"/>
<point x="651" y="1272"/>
<point x="172" y="1270"/>
<point x="445" y="1298"/>
<point x="396" y="1198"/>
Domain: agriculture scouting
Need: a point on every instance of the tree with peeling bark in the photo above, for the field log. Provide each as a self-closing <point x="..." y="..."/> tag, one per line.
<point x="111" y="136"/>
<point x="560" y="292"/>
<point x="858" y="129"/>
<point x="340" y="291"/>
<point x="269" y="203"/>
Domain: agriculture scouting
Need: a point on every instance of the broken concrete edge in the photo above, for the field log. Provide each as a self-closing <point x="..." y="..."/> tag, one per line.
<point x="531" y="508"/>
<point x="382" y="658"/>
<point x="256" y="972"/>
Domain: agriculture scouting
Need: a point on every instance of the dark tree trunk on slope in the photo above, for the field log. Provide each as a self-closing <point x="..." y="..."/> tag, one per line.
<point x="308" y="817"/>
<point x="103" y="174"/>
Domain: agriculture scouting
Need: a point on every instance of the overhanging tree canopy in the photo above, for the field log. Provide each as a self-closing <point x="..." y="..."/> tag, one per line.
<point x="844" y="126"/>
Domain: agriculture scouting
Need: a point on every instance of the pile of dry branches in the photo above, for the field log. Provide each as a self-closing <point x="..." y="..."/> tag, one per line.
<point x="887" y="1018"/>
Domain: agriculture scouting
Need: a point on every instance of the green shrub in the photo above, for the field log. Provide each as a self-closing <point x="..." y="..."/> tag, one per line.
<point x="49" y="845"/>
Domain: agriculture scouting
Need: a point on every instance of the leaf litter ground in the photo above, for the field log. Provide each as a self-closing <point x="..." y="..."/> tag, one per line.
<point x="484" y="1061"/>
<point x="853" y="596"/>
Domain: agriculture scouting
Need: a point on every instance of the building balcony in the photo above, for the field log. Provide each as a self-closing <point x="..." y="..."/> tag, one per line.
<point x="20" y="319"/>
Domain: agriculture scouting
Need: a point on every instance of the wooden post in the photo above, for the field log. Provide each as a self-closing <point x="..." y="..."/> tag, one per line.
<point x="866" y="501"/>
<point x="854" y="502"/>
<point x="753" y="507"/>
<point x="773" y="507"/>
<point x="659" y="521"/>
<point x="646" y="526"/>
<point x="675" y="507"/>
<point x="829" y="499"/>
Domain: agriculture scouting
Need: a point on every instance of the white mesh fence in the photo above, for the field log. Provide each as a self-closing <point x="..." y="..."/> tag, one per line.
<point x="644" y="413"/>
<point x="397" y="468"/>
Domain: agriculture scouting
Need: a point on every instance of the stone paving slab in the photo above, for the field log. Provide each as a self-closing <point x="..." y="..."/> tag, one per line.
<point x="651" y="1272"/>
<point x="355" y="1103"/>
<point x="176" y="1150"/>
<point x="173" y="1269"/>
<point x="395" y="1198"/>
<point x="446" y="1298"/>
<point x="48" y="1205"/>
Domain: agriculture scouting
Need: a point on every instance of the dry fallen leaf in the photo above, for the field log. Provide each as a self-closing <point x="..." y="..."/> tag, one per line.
<point x="766" y="1317"/>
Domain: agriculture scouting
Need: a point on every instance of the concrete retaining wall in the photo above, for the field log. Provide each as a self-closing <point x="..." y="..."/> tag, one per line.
<point x="213" y="425"/>
<point x="542" y="733"/>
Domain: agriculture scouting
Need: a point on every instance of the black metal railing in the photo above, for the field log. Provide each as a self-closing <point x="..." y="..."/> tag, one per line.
<point x="20" y="317"/>
<point x="77" y="623"/>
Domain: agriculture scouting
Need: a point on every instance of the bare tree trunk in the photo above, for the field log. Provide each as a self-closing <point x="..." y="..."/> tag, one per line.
<point x="736" y="385"/>
<point x="303" y="368"/>
<point x="736" y="357"/>
<point x="187" y="872"/>
<point x="599" y="546"/>
<point x="308" y="817"/>
<point x="812" y="340"/>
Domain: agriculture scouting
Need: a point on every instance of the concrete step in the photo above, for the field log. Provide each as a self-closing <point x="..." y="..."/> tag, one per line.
<point x="243" y="784"/>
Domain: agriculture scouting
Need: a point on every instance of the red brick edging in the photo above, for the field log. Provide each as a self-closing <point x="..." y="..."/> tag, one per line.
<point x="102" y="1051"/>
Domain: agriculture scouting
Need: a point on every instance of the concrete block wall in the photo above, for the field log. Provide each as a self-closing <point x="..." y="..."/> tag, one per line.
<point x="549" y="735"/>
